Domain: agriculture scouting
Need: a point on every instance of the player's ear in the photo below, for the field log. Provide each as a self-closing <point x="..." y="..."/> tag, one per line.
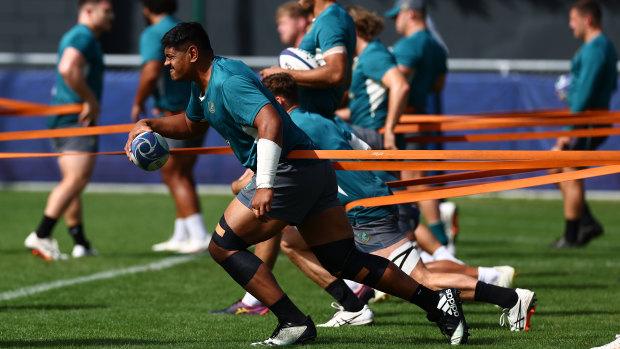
<point x="192" y="51"/>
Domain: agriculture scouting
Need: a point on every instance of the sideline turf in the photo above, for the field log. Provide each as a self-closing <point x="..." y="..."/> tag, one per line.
<point x="578" y="290"/>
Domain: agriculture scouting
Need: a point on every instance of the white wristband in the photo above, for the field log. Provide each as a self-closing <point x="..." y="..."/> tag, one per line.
<point x="267" y="158"/>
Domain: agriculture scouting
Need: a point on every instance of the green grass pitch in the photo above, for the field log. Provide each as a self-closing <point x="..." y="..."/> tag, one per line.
<point x="578" y="290"/>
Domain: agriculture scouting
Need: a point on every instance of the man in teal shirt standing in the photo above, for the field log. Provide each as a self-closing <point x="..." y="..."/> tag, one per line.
<point x="79" y="79"/>
<point x="423" y="61"/>
<point x="170" y="97"/>
<point x="594" y="78"/>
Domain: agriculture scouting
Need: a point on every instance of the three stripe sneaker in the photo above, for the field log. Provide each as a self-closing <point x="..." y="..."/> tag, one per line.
<point x="290" y="333"/>
<point x="452" y="321"/>
<point x="519" y="315"/>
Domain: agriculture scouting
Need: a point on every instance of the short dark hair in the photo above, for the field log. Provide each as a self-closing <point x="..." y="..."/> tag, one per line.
<point x="160" y="6"/>
<point x="283" y="85"/>
<point x="84" y="2"/>
<point x="589" y="8"/>
<point x="185" y="34"/>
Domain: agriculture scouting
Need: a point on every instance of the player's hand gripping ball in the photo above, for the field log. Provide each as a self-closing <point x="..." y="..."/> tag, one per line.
<point x="149" y="151"/>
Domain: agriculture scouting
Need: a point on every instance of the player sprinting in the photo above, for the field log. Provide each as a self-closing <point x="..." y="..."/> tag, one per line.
<point x="227" y="95"/>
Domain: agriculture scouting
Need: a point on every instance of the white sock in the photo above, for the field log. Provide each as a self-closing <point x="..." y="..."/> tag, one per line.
<point x="442" y="254"/>
<point x="250" y="300"/>
<point x="354" y="286"/>
<point x="180" y="233"/>
<point x="196" y="228"/>
<point x="488" y="275"/>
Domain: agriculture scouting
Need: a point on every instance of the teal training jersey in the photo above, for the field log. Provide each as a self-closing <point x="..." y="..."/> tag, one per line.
<point x="368" y="97"/>
<point x="352" y="185"/>
<point x="169" y="95"/>
<point x="233" y="98"/>
<point x="594" y="75"/>
<point x="333" y="27"/>
<point x="428" y="60"/>
<point x="81" y="38"/>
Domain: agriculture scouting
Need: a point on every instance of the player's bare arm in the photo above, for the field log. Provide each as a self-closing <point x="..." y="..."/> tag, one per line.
<point x="269" y="126"/>
<point x="146" y="86"/>
<point x="394" y="80"/>
<point x="332" y="74"/>
<point x="71" y="68"/>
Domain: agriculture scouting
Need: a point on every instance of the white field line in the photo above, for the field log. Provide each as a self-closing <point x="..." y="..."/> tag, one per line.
<point x="159" y="265"/>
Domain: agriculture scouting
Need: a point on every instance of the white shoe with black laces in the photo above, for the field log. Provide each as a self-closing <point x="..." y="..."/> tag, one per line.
<point x="452" y="321"/>
<point x="290" y="333"/>
<point x="349" y="318"/>
<point x="519" y="315"/>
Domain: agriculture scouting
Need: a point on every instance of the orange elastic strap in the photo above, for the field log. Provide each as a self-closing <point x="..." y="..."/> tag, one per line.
<point x="455" y="154"/>
<point x="534" y="115"/>
<point x="43" y="110"/>
<point x="515" y="136"/>
<point x="455" y="177"/>
<point x="481" y="188"/>
<point x="12" y="103"/>
<point x="65" y="132"/>
<point x="211" y="150"/>
<point x="465" y="165"/>
<point x="498" y="123"/>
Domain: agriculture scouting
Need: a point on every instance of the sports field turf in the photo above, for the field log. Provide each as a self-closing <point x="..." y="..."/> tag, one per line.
<point x="167" y="307"/>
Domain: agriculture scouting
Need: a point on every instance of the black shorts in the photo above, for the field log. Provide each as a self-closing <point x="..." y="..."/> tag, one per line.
<point x="301" y="189"/>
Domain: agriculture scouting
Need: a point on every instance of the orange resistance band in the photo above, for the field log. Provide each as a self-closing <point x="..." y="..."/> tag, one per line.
<point x="442" y="193"/>
<point x="517" y="136"/>
<point x="65" y="132"/>
<point x="211" y="150"/>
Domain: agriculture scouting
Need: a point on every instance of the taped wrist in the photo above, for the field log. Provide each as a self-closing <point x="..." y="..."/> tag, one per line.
<point x="267" y="158"/>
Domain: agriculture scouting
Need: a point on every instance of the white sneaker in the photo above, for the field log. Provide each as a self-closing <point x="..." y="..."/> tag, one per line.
<point x="169" y="245"/>
<point x="448" y="214"/>
<point x="613" y="345"/>
<point x="46" y="248"/>
<point x="379" y="297"/>
<point x="80" y="251"/>
<point x="349" y="318"/>
<point x="506" y="277"/>
<point x="193" y="246"/>
<point x="519" y="315"/>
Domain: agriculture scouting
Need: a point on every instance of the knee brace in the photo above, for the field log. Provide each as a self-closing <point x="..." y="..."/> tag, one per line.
<point x="228" y="240"/>
<point x="241" y="266"/>
<point x="343" y="260"/>
<point x="405" y="257"/>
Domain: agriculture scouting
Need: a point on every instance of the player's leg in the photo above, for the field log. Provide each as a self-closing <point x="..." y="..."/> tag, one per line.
<point x="351" y="310"/>
<point x="330" y="237"/>
<point x="572" y="192"/>
<point x="76" y="171"/>
<point x="429" y="209"/>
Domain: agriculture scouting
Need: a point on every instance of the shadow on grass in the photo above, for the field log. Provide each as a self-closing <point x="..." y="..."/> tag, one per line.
<point x="94" y="342"/>
<point x="51" y="307"/>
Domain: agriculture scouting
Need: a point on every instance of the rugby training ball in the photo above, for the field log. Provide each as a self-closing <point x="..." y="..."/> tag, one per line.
<point x="149" y="151"/>
<point x="562" y="84"/>
<point x="297" y="59"/>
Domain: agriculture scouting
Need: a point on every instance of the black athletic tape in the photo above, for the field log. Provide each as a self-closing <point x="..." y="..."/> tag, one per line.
<point x="343" y="260"/>
<point x="230" y="241"/>
<point x="242" y="266"/>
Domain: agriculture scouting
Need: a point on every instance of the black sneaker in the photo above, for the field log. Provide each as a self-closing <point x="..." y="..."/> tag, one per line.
<point x="290" y="333"/>
<point x="563" y="243"/>
<point x="451" y="322"/>
<point x="588" y="232"/>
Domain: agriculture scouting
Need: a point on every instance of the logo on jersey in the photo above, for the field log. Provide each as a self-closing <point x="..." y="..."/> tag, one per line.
<point x="211" y="107"/>
<point x="364" y="237"/>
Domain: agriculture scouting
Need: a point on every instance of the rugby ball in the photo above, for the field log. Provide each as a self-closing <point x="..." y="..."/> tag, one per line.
<point x="562" y="84"/>
<point x="297" y="59"/>
<point x="149" y="151"/>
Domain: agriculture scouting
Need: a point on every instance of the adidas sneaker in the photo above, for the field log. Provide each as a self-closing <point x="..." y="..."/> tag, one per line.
<point x="349" y="318"/>
<point x="290" y="333"/>
<point x="519" y="315"/>
<point x="452" y="321"/>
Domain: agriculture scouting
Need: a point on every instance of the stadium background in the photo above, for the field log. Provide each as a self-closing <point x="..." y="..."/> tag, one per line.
<point x="504" y="56"/>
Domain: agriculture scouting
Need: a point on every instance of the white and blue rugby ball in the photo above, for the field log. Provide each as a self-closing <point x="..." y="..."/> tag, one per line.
<point x="562" y="84"/>
<point x="149" y="151"/>
<point x="297" y="59"/>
